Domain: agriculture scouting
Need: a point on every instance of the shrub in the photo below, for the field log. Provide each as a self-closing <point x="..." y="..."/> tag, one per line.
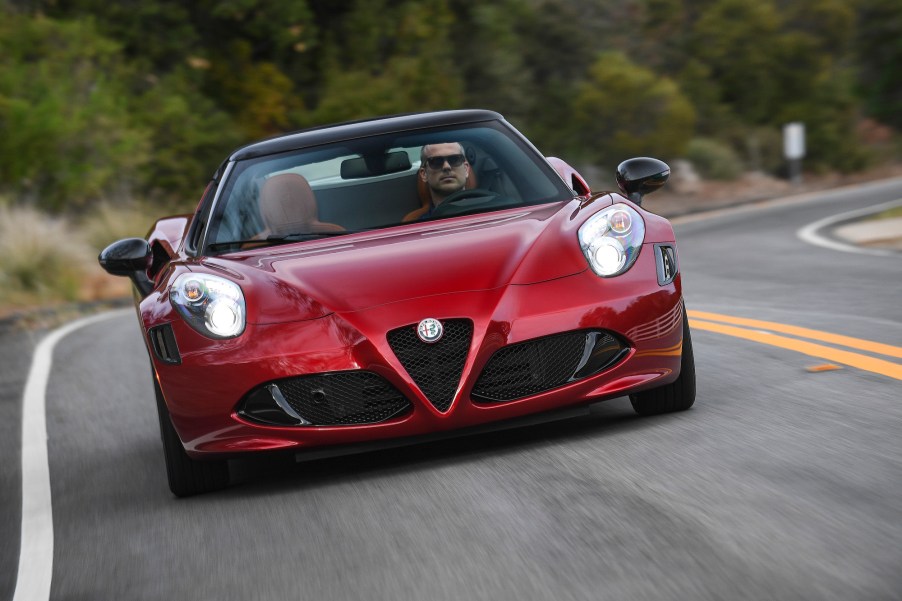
<point x="624" y="110"/>
<point x="67" y="135"/>
<point x="41" y="259"/>
<point x="713" y="159"/>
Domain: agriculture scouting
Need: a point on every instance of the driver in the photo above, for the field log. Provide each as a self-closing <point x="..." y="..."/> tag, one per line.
<point x="445" y="169"/>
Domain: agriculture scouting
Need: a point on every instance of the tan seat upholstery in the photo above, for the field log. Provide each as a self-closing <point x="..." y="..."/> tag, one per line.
<point x="288" y="206"/>
<point x="426" y="198"/>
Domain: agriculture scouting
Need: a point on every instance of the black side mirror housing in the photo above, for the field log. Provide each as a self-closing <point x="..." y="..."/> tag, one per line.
<point x="129" y="257"/>
<point x="640" y="176"/>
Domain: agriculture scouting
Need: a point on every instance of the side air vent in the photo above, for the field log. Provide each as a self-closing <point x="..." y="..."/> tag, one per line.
<point x="162" y="340"/>
<point x="666" y="262"/>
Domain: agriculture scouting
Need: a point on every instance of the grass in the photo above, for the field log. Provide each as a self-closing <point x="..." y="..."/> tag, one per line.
<point x="888" y="214"/>
<point x="51" y="260"/>
<point x="108" y="223"/>
<point x="41" y="259"/>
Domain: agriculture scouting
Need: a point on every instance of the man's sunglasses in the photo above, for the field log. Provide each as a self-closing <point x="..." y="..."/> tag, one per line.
<point x="455" y="160"/>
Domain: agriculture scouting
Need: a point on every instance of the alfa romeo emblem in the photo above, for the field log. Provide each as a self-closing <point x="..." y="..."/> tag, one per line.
<point x="430" y="330"/>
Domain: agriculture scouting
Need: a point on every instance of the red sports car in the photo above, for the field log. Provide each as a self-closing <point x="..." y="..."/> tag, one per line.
<point x="400" y="277"/>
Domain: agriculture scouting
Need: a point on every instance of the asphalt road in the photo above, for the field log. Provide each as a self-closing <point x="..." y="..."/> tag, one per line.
<point x="781" y="483"/>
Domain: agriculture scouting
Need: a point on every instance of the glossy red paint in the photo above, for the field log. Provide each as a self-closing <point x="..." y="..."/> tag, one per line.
<point x="570" y="176"/>
<point x="326" y="305"/>
<point x="168" y="232"/>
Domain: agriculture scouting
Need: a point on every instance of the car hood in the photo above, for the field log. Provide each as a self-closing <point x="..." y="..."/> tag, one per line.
<point x="358" y="271"/>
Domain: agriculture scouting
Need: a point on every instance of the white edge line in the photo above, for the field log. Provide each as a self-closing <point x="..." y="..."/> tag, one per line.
<point x="791" y="200"/>
<point x="811" y="232"/>
<point x="36" y="542"/>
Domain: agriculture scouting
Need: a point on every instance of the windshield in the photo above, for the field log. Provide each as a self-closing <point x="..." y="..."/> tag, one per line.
<point x="375" y="182"/>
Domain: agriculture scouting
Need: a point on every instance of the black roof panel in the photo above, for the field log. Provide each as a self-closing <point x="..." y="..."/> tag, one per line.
<point x="359" y="129"/>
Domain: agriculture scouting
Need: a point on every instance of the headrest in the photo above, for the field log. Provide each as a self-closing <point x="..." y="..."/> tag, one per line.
<point x="288" y="206"/>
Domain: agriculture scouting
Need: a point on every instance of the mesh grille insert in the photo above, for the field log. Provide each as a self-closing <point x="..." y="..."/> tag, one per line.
<point x="436" y="368"/>
<point x="343" y="398"/>
<point x="534" y="366"/>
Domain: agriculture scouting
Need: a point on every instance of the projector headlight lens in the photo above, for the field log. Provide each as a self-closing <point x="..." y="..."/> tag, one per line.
<point x="611" y="239"/>
<point x="212" y="305"/>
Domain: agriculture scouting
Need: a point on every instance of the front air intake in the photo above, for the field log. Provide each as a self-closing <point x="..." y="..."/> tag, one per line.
<point x="328" y="399"/>
<point x="534" y="366"/>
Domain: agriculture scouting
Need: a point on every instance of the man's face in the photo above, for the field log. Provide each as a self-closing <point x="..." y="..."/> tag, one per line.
<point x="446" y="178"/>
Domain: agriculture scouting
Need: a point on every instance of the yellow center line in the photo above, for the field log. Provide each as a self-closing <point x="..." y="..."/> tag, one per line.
<point x="878" y="366"/>
<point x="856" y="343"/>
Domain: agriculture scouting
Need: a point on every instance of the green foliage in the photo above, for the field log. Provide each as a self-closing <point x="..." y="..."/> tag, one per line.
<point x="490" y="59"/>
<point x="878" y="48"/>
<point x="404" y="63"/>
<point x="257" y="94"/>
<point x="67" y="137"/>
<point x="737" y="41"/>
<point x="189" y="135"/>
<point x="829" y="119"/>
<point x="625" y="110"/>
<point x="111" y="101"/>
<point x="760" y="64"/>
<point x="713" y="159"/>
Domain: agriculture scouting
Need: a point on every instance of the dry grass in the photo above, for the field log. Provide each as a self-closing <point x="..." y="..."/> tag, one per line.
<point x="889" y="214"/>
<point x="46" y="261"/>
<point x="109" y="223"/>
<point x="42" y="260"/>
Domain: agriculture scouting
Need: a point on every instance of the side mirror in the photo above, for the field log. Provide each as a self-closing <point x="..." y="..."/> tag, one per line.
<point x="129" y="257"/>
<point x="640" y="176"/>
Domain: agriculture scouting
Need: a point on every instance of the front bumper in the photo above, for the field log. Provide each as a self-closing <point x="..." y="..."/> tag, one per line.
<point x="204" y="392"/>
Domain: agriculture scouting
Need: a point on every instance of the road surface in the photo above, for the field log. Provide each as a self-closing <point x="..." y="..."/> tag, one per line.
<point x="784" y="481"/>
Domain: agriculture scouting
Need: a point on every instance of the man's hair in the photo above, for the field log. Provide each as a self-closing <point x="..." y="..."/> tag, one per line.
<point x="423" y="151"/>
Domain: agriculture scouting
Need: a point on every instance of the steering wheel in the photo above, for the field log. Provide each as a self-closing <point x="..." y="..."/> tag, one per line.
<point x="447" y="206"/>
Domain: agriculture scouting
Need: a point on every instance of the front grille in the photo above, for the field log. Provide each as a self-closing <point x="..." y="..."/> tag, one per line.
<point x="436" y="368"/>
<point x="527" y="368"/>
<point x="343" y="398"/>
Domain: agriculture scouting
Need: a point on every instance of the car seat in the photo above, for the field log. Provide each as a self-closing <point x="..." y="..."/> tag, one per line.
<point x="288" y="206"/>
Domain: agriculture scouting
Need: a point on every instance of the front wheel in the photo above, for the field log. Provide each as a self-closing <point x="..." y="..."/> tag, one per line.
<point x="187" y="476"/>
<point x="676" y="396"/>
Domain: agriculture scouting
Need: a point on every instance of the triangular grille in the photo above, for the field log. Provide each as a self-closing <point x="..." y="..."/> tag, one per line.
<point x="436" y="368"/>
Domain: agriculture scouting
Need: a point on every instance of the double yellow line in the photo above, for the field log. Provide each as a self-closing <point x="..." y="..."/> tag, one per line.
<point x="769" y="332"/>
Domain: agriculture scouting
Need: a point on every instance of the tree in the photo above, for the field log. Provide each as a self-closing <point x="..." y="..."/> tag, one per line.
<point x="737" y="40"/>
<point x="402" y="63"/>
<point x="68" y="137"/>
<point x="189" y="136"/>
<point x="757" y="65"/>
<point x="878" y="47"/>
<point x="625" y="110"/>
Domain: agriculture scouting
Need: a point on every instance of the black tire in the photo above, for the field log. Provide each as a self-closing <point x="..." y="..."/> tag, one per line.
<point x="677" y="396"/>
<point x="187" y="476"/>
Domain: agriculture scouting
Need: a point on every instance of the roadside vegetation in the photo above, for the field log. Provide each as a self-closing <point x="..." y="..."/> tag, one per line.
<point x="115" y="113"/>
<point x="40" y="258"/>
<point x="895" y="213"/>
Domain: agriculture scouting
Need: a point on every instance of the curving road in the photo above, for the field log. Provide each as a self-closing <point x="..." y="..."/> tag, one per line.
<point x="783" y="482"/>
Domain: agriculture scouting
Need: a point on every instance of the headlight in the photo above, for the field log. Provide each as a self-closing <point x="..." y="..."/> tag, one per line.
<point x="212" y="305"/>
<point x="611" y="239"/>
